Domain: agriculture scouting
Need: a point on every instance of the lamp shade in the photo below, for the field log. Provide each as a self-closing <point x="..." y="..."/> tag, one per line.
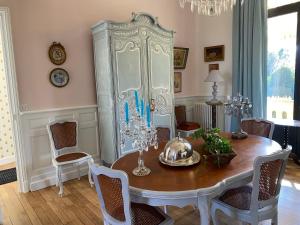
<point x="214" y="76"/>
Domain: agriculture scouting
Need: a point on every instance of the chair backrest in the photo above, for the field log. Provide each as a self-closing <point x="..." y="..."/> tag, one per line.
<point x="113" y="193"/>
<point x="268" y="173"/>
<point x="63" y="135"/>
<point x="180" y="114"/>
<point x="163" y="134"/>
<point x="259" y="127"/>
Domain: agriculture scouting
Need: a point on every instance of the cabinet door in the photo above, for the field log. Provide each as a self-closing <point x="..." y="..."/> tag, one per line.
<point x="160" y="72"/>
<point x="128" y="76"/>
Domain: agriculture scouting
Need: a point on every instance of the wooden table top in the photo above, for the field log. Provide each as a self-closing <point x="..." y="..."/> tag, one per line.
<point x="286" y="122"/>
<point x="202" y="175"/>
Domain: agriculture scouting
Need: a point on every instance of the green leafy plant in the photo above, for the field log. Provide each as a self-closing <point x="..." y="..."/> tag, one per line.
<point x="213" y="142"/>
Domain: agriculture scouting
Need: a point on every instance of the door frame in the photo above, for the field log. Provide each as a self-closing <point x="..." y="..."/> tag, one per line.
<point x="12" y="87"/>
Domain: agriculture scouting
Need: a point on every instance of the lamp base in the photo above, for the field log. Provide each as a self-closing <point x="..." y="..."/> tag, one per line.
<point x="239" y="135"/>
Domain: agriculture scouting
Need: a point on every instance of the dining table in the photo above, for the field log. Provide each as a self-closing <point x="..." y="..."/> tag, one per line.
<point x="197" y="184"/>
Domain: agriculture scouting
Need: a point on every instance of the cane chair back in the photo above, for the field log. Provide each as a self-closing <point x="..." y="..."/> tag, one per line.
<point x="63" y="136"/>
<point x="112" y="189"/>
<point x="163" y="134"/>
<point x="268" y="173"/>
<point x="113" y="193"/>
<point x="180" y="114"/>
<point x="259" y="127"/>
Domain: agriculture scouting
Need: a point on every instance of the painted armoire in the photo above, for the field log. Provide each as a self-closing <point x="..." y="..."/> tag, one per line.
<point x="131" y="56"/>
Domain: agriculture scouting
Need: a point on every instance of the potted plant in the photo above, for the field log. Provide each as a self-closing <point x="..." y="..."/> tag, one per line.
<point x="218" y="148"/>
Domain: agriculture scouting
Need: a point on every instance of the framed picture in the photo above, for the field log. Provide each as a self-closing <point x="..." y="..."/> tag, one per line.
<point x="59" y="77"/>
<point x="214" y="53"/>
<point x="213" y="67"/>
<point x="177" y="82"/>
<point x="57" y="53"/>
<point x="180" y="57"/>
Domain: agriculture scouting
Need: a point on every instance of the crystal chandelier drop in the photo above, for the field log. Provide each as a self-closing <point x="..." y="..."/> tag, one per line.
<point x="209" y="7"/>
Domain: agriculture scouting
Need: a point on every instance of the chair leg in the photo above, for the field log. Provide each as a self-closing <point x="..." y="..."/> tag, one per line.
<point x="275" y="220"/>
<point x="56" y="177"/>
<point x="90" y="162"/>
<point x="214" y="215"/>
<point x="78" y="171"/>
<point x="60" y="182"/>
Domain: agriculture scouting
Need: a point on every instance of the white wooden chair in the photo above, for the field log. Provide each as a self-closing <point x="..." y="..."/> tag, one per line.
<point x="256" y="202"/>
<point x="113" y="193"/>
<point x="63" y="137"/>
<point x="259" y="127"/>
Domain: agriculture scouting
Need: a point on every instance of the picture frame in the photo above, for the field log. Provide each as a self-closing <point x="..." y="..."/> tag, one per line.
<point x="59" y="77"/>
<point x="213" y="67"/>
<point x="214" y="53"/>
<point x="57" y="53"/>
<point x="180" y="57"/>
<point x="177" y="82"/>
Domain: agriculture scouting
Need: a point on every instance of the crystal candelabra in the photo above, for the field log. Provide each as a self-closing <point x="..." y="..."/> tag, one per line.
<point x="138" y="130"/>
<point x="238" y="106"/>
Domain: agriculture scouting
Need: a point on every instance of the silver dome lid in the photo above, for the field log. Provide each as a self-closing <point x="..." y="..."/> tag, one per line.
<point x="177" y="150"/>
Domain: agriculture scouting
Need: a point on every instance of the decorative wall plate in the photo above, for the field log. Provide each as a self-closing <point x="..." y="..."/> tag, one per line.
<point x="57" y="53"/>
<point x="59" y="77"/>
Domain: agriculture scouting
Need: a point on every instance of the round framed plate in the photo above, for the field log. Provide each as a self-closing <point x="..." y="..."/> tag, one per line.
<point x="57" y="53"/>
<point x="59" y="77"/>
<point x="194" y="160"/>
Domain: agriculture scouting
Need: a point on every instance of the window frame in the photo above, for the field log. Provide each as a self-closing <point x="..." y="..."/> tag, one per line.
<point x="280" y="11"/>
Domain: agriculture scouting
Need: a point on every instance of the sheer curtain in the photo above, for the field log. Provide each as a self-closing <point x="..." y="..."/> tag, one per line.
<point x="250" y="53"/>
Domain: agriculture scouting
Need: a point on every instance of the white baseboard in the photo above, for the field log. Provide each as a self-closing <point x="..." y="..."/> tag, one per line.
<point x="7" y="160"/>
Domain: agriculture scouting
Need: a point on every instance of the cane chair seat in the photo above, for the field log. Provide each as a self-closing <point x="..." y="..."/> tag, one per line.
<point x="71" y="157"/>
<point x="145" y="214"/>
<point x="239" y="198"/>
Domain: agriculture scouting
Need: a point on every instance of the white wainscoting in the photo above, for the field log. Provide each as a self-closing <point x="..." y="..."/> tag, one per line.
<point x="38" y="163"/>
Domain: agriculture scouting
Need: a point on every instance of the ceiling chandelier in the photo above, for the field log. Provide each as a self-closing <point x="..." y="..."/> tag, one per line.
<point x="209" y="7"/>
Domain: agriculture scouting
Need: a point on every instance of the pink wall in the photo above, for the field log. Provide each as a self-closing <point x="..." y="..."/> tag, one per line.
<point x="37" y="23"/>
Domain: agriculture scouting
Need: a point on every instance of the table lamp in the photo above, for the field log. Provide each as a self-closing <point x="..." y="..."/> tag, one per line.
<point x="215" y="77"/>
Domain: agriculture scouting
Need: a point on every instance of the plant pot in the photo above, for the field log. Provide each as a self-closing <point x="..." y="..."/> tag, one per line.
<point x="222" y="159"/>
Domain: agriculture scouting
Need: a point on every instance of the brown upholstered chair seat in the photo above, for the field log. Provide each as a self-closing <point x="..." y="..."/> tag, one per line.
<point x="188" y="126"/>
<point x="239" y="198"/>
<point x="144" y="214"/>
<point x="70" y="156"/>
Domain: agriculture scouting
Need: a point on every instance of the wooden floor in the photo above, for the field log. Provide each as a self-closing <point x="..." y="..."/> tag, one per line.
<point x="80" y="204"/>
<point x="7" y="166"/>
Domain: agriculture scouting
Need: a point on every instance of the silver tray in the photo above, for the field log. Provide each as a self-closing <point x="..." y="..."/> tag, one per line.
<point x="194" y="160"/>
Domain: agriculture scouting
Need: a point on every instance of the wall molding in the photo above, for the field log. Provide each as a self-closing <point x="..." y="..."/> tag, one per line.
<point x="40" y="171"/>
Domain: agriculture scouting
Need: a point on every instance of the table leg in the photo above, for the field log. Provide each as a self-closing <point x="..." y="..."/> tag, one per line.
<point x="214" y="116"/>
<point x="204" y="210"/>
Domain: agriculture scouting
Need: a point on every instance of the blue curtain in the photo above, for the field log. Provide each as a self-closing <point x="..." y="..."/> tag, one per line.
<point x="250" y="53"/>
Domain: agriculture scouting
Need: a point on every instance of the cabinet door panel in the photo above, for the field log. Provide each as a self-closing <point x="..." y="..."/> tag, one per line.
<point x="160" y="69"/>
<point x="128" y="64"/>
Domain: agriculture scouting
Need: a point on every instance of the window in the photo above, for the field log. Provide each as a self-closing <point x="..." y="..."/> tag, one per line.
<point x="282" y="57"/>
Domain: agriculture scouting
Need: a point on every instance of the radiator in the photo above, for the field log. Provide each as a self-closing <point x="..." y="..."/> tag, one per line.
<point x="202" y="114"/>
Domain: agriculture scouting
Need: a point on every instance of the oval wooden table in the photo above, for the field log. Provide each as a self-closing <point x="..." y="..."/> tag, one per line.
<point x="194" y="185"/>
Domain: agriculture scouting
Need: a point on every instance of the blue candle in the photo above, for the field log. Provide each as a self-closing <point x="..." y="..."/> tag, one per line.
<point x="127" y="112"/>
<point x="136" y="101"/>
<point x="148" y="115"/>
<point x="142" y="108"/>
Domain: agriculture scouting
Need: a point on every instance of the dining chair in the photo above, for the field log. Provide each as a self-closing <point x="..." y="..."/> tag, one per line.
<point x="183" y="126"/>
<point x="259" y="127"/>
<point x="63" y="137"/>
<point x="258" y="201"/>
<point x="113" y="192"/>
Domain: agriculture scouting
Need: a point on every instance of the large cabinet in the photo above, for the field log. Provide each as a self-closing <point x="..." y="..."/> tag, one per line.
<point x="137" y="55"/>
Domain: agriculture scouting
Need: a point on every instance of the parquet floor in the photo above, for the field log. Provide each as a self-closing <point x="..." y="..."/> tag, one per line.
<point x="80" y="204"/>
